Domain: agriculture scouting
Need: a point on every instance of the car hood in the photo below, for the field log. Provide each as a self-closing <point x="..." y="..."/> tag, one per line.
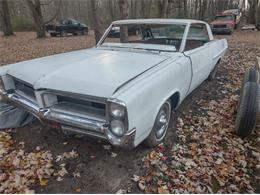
<point x="93" y="72"/>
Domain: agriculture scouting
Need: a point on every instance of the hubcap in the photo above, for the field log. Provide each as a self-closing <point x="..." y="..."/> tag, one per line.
<point x="162" y="121"/>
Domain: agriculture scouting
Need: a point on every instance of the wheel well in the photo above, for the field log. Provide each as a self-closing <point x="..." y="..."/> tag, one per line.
<point x="175" y="98"/>
<point x="219" y="60"/>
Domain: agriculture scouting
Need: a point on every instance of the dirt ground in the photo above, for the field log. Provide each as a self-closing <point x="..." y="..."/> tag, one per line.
<point x="96" y="167"/>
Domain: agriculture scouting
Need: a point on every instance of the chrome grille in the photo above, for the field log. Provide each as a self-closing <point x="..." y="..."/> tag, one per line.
<point x="24" y="89"/>
<point x="86" y="107"/>
<point x="220" y="26"/>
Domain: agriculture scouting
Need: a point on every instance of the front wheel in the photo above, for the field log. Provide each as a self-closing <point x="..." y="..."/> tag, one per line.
<point x="213" y="73"/>
<point x="160" y="127"/>
<point x="53" y="34"/>
<point x="84" y="32"/>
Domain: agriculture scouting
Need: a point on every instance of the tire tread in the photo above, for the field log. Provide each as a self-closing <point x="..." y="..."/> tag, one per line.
<point x="248" y="108"/>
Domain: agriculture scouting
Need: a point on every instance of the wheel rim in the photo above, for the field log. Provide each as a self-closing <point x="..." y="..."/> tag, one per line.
<point x="63" y="33"/>
<point x="162" y="121"/>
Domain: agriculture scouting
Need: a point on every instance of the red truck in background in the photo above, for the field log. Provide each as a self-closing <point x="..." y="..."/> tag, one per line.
<point x="226" y="21"/>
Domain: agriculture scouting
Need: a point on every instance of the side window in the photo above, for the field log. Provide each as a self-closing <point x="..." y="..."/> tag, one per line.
<point x="197" y="36"/>
<point x="75" y="23"/>
<point x="64" y="22"/>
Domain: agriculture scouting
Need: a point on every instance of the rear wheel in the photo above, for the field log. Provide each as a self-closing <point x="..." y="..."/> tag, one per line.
<point x="160" y="127"/>
<point x="63" y="33"/>
<point x="83" y="32"/>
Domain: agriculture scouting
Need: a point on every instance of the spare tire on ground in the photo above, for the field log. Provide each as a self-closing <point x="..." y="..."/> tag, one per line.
<point x="248" y="109"/>
<point x="251" y="75"/>
<point x="13" y="117"/>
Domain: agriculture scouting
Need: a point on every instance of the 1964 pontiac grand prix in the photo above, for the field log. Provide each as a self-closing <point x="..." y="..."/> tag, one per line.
<point x="125" y="88"/>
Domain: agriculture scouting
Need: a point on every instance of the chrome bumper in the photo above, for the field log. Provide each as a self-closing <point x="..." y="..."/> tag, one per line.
<point x="70" y="122"/>
<point x="218" y="30"/>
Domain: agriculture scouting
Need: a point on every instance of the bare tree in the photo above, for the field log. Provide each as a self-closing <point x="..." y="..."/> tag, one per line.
<point x="95" y="18"/>
<point x="5" y="18"/>
<point x="164" y="9"/>
<point x="36" y="11"/>
<point x="146" y="8"/>
<point x="124" y="6"/>
<point x="35" y="7"/>
<point x="257" y="11"/>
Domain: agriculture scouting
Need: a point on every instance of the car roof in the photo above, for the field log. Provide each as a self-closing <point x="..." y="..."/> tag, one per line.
<point x="157" y="21"/>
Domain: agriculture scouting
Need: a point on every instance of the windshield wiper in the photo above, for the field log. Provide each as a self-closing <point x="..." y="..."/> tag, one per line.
<point x="138" y="48"/>
<point x="158" y="50"/>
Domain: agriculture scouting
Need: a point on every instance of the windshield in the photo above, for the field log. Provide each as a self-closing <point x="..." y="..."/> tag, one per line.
<point x="165" y="37"/>
<point x="225" y="18"/>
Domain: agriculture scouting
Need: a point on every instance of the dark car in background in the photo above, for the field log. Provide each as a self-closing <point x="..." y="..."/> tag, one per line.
<point x="115" y="31"/>
<point x="67" y="26"/>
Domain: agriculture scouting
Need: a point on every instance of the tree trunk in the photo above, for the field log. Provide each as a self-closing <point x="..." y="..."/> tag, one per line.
<point x="204" y="9"/>
<point x="5" y="18"/>
<point x="257" y="9"/>
<point x="95" y="19"/>
<point x="164" y="12"/>
<point x="124" y="7"/>
<point x="196" y="8"/>
<point x="180" y="14"/>
<point x="35" y="8"/>
<point x="186" y="14"/>
<point x="146" y="8"/>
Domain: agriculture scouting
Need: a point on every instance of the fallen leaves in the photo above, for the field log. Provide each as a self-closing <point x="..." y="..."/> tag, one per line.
<point x="44" y="182"/>
<point x="209" y="158"/>
<point x="25" y="46"/>
<point x="20" y="169"/>
<point x="67" y="155"/>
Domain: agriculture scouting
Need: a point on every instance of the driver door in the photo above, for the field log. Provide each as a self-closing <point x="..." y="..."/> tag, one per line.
<point x="198" y="49"/>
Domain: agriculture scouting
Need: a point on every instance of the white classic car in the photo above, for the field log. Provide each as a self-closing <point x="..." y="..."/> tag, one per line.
<point x="124" y="89"/>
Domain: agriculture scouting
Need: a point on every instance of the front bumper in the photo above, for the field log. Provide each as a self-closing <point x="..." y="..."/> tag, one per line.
<point x="221" y="30"/>
<point x="70" y="122"/>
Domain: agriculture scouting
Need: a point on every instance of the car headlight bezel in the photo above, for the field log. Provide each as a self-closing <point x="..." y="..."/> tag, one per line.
<point x="117" y="111"/>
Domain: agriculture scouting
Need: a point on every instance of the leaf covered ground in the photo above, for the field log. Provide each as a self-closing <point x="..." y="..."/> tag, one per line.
<point x="209" y="157"/>
<point x="202" y="154"/>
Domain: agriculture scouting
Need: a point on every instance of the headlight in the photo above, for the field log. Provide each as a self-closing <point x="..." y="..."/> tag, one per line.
<point x="117" y="110"/>
<point x="117" y="116"/>
<point x="230" y="25"/>
<point x="117" y="127"/>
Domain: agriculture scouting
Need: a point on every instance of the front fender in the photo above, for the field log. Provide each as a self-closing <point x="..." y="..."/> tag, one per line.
<point x="147" y="94"/>
<point x="4" y="70"/>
